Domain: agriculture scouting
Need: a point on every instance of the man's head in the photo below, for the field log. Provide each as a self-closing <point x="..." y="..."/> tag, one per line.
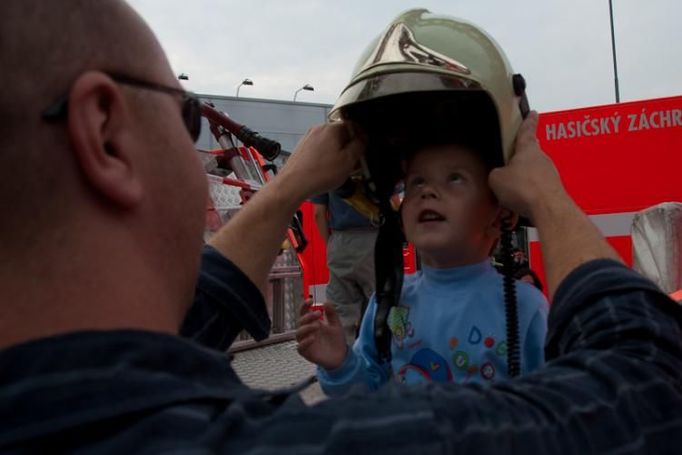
<point x="112" y="181"/>
<point x="449" y="212"/>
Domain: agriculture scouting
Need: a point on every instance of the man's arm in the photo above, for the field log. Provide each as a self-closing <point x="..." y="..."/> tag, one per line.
<point x="530" y="185"/>
<point x="320" y="215"/>
<point x="235" y="266"/>
<point x="322" y="161"/>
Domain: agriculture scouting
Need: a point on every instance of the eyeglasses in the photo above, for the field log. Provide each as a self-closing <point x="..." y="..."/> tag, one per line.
<point x="190" y="107"/>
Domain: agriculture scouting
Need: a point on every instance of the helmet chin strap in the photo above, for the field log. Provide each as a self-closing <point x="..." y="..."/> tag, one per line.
<point x="511" y="311"/>
<point x="388" y="262"/>
<point x="388" y="250"/>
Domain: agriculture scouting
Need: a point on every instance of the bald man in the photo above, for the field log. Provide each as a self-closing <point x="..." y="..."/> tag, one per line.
<point x="102" y="201"/>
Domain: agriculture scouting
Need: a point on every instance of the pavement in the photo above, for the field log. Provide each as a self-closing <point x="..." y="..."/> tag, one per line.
<point x="277" y="366"/>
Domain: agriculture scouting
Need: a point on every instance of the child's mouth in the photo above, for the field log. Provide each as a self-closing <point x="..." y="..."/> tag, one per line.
<point x="430" y="216"/>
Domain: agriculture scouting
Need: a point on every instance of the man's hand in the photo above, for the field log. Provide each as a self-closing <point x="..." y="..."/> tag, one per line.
<point x="321" y="343"/>
<point x="323" y="159"/>
<point x="530" y="185"/>
<point x="530" y="178"/>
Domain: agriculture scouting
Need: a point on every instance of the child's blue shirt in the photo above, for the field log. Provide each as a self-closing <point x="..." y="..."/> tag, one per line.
<point x="449" y="327"/>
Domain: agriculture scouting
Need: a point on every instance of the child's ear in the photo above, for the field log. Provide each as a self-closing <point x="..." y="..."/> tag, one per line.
<point x="503" y="215"/>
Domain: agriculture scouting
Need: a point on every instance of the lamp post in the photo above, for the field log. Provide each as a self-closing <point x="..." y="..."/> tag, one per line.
<point x="306" y="87"/>
<point x="183" y="76"/>
<point x="613" y="49"/>
<point x="246" y="81"/>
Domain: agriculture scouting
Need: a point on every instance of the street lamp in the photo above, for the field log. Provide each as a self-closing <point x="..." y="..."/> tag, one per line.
<point x="307" y="87"/>
<point x="183" y="76"/>
<point x="246" y="81"/>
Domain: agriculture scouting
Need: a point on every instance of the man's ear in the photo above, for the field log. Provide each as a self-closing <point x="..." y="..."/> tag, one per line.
<point x="503" y="215"/>
<point x="98" y="127"/>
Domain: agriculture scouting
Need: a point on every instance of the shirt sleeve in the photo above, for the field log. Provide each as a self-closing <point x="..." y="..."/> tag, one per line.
<point x="225" y="303"/>
<point x="361" y="369"/>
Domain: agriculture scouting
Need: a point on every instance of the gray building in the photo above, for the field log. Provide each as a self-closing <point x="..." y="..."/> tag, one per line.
<point x="283" y="121"/>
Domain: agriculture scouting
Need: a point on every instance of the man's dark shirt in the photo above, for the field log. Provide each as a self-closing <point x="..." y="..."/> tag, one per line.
<point x="612" y="384"/>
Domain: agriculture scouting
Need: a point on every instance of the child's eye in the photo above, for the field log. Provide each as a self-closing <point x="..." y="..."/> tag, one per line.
<point x="415" y="182"/>
<point x="412" y="185"/>
<point x="455" y="177"/>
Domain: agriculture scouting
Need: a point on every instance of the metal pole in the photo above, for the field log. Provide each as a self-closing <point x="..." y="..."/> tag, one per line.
<point x="238" y="87"/>
<point x="296" y="93"/>
<point x="613" y="48"/>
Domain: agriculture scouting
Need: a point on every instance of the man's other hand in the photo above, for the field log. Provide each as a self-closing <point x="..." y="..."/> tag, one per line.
<point x="530" y="178"/>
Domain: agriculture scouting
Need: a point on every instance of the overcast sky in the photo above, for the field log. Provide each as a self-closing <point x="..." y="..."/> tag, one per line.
<point x="562" y="47"/>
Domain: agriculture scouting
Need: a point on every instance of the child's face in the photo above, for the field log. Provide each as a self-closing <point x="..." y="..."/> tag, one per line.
<point x="449" y="212"/>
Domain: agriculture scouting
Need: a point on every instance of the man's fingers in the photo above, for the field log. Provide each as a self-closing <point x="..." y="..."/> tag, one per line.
<point x="356" y="149"/>
<point x="495" y="175"/>
<point x="526" y="135"/>
<point x="356" y="131"/>
<point x="341" y="132"/>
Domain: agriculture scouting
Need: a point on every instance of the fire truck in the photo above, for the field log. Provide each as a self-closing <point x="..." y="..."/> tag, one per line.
<point x="615" y="161"/>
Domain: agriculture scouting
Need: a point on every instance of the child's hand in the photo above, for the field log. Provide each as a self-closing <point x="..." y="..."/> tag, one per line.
<point x="323" y="343"/>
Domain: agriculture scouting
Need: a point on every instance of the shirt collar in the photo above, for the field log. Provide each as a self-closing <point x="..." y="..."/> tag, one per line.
<point x="448" y="276"/>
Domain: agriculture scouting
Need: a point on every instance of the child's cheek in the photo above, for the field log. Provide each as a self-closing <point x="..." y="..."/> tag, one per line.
<point x="407" y="218"/>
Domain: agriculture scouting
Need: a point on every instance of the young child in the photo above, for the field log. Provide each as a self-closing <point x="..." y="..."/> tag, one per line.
<point x="450" y="324"/>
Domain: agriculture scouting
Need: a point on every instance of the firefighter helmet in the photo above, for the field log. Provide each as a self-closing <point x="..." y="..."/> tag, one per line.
<point x="426" y="74"/>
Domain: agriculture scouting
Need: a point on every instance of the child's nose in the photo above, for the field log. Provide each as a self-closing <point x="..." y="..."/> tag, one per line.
<point x="428" y="191"/>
